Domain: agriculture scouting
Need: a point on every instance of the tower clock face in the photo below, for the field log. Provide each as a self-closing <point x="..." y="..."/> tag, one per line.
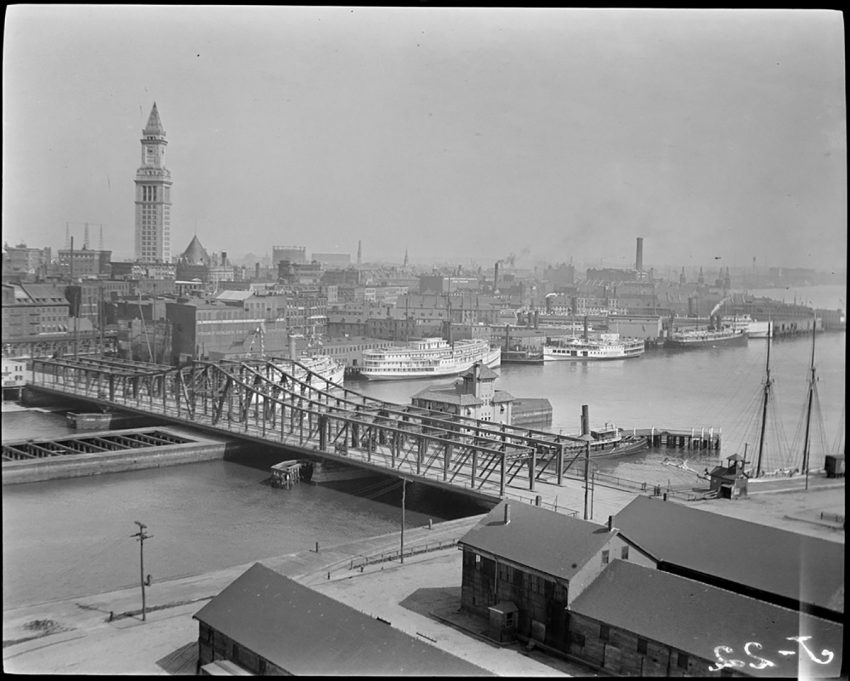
<point x="149" y="153"/>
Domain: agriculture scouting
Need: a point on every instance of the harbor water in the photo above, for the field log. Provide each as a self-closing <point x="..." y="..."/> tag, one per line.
<point x="64" y="538"/>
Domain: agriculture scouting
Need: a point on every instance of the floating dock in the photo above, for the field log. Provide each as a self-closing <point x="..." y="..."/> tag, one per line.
<point x="108" y="451"/>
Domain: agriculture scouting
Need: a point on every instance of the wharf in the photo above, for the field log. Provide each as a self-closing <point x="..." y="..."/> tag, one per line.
<point x="107" y="451"/>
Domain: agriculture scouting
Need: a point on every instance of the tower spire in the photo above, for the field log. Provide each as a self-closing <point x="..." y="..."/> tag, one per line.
<point x="154" y="126"/>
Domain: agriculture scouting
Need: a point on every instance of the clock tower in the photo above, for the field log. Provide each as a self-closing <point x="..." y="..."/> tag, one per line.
<point x="153" y="195"/>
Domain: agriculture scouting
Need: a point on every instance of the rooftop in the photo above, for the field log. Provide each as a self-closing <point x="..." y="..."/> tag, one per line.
<point x="661" y="606"/>
<point x="793" y="566"/>
<point x="546" y="541"/>
<point x="305" y="632"/>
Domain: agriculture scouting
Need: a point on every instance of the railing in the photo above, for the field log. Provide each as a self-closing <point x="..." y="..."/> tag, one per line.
<point x="396" y="554"/>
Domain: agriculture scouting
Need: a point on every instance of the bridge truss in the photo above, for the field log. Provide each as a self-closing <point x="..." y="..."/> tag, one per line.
<point x="282" y="402"/>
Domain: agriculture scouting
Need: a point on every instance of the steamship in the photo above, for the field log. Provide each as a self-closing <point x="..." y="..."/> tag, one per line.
<point x="428" y="358"/>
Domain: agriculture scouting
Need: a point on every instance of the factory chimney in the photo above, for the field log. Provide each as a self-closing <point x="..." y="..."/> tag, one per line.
<point x="639" y="256"/>
<point x="496" y="276"/>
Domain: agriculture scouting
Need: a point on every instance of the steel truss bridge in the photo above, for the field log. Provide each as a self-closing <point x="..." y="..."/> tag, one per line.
<point x="282" y="402"/>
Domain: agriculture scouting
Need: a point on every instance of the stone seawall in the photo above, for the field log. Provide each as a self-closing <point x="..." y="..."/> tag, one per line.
<point x="79" y="465"/>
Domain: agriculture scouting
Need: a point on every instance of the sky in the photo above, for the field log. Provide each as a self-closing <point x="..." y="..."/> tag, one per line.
<point x="457" y="135"/>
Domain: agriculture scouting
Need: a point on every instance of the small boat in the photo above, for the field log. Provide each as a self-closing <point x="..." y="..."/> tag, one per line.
<point x="288" y="473"/>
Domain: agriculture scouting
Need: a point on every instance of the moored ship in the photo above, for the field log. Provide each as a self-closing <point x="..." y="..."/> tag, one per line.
<point x="701" y="338"/>
<point x="607" y="346"/>
<point x="427" y="358"/>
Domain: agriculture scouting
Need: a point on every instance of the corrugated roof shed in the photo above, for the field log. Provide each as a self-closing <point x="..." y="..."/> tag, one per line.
<point x="786" y="564"/>
<point x="538" y="538"/>
<point x="697" y="618"/>
<point x="306" y="632"/>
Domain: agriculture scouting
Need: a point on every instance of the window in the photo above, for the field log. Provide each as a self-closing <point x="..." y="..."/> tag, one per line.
<point x="605" y="557"/>
<point x="477" y="561"/>
<point x="682" y="661"/>
<point x="641" y="646"/>
<point x="624" y="553"/>
<point x="604" y="632"/>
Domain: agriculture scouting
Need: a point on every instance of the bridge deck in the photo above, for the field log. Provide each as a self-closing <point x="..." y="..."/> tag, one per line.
<point x="280" y="402"/>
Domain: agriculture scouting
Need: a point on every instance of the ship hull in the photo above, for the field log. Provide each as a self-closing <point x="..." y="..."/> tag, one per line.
<point x="492" y="358"/>
<point x="707" y="342"/>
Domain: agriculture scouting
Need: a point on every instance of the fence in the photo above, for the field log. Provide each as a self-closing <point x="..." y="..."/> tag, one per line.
<point x="396" y="554"/>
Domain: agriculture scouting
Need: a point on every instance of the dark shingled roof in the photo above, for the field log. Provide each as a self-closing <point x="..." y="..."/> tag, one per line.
<point x="485" y="373"/>
<point x="308" y="633"/>
<point x="786" y="564"/>
<point x="543" y="540"/>
<point x="696" y="618"/>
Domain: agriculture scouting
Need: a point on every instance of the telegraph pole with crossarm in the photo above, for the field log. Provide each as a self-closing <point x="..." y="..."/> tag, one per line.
<point x="141" y="535"/>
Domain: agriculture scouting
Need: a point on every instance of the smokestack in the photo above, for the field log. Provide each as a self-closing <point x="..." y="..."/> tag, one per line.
<point x="496" y="276"/>
<point x="86" y="237"/>
<point x="585" y="420"/>
<point x="639" y="256"/>
<point x="507" y="513"/>
<point x="610" y="523"/>
<point x="224" y="257"/>
<point x="257" y="271"/>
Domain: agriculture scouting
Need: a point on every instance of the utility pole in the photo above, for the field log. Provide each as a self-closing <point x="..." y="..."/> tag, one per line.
<point x="403" y="495"/>
<point x="141" y="536"/>
<point x="587" y="437"/>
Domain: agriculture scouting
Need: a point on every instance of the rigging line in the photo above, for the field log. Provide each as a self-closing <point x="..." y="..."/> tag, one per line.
<point x="839" y="437"/>
<point x="821" y="430"/>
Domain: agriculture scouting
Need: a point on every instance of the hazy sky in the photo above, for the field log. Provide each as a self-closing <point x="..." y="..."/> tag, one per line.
<point x="454" y="134"/>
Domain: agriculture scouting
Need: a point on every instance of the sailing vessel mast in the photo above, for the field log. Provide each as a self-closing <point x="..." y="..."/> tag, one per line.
<point x="806" y="445"/>
<point x="767" y="384"/>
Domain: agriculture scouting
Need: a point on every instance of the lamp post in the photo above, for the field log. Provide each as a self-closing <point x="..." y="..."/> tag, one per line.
<point x="141" y="535"/>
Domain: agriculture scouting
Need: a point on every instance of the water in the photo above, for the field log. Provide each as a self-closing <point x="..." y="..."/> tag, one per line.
<point x="66" y="538"/>
<point x="203" y="517"/>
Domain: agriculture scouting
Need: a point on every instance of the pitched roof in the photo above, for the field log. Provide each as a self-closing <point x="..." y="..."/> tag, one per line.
<point x="538" y="538"/>
<point x="786" y="564"/>
<point x="447" y="395"/>
<point x="695" y="618"/>
<point x="485" y="373"/>
<point x="305" y="632"/>
<point x="195" y="253"/>
<point x="154" y="126"/>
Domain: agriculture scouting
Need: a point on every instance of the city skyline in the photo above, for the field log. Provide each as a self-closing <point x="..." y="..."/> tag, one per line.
<point x="450" y="134"/>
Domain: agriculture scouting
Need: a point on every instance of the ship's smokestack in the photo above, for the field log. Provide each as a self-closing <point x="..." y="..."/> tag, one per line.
<point x="507" y="514"/>
<point x="585" y="420"/>
<point x="639" y="255"/>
